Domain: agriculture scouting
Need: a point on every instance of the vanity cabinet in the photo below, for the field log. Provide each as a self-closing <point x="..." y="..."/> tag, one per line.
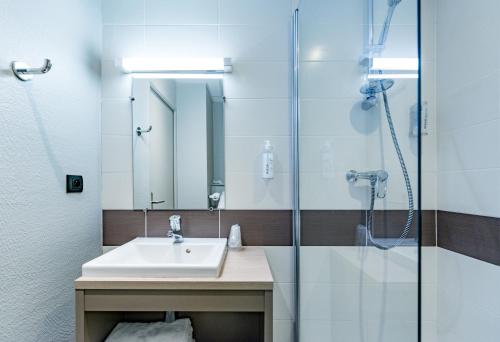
<point x="244" y="286"/>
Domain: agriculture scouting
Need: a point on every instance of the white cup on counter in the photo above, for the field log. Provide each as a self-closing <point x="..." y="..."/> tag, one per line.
<point x="234" y="241"/>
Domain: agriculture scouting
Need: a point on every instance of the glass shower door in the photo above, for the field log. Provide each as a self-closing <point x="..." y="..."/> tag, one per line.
<point x="358" y="138"/>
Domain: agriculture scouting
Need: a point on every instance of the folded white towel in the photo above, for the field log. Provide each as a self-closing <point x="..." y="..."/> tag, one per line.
<point x="178" y="331"/>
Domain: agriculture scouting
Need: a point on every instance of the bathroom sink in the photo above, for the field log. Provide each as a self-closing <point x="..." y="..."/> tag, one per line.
<point x="160" y="258"/>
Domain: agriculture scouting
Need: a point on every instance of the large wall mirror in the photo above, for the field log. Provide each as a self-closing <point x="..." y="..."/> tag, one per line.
<point x="178" y="144"/>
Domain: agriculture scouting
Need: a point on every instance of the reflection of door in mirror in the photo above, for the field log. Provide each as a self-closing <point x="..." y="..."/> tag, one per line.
<point x="161" y="153"/>
<point x="178" y="144"/>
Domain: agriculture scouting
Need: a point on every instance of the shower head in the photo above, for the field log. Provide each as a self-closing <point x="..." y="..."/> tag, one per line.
<point x="387" y="23"/>
<point x="393" y="3"/>
<point x="376" y="86"/>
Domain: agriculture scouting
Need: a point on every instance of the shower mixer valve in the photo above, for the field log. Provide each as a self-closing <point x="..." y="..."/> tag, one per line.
<point x="377" y="179"/>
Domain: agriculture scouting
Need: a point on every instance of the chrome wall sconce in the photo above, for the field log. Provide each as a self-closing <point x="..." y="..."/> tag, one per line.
<point x="25" y="72"/>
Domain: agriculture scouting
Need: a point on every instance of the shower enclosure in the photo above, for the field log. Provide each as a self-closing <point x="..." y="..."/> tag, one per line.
<point x="357" y="146"/>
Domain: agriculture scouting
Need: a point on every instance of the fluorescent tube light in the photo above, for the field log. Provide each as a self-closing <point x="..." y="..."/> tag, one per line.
<point x="410" y="64"/>
<point x="176" y="65"/>
<point x="391" y="76"/>
<point x="177" y="76"/>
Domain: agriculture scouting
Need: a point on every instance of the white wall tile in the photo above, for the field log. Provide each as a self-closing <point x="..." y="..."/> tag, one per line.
<point x="458" y="101"/>
<point x="123" y="12"/>
<point x="122" y="41"/>
<point x="257" y="117"/>
<point x="255" y="12"/>
<point x="283" y="301"/>
<point x="331" y="11"/>
<point x="115" y="84"/>
<point x="474" y="192"/>
<point x="340" y="39"/>
<point x="337" y="117"/>
<point x="429" y="331"/>
<point x="359" y="293"/>
<point x="281" y="262"/>
<point x="185" y="12"/>
<point x="328" y="155"/>
<point x="282" y="330"/>
<point x="182" y="41"/>
<point x="116" y="153"/>
<point x="315" y="301"/>
<point x="250" y="191"/>
<point x="429" y="265"/>
<point x="257" y="80"/>
<point x="117" y="191"/>
<point x="116" y="117"/>
<point x="335" y="331"/>
<point x="338" y="80"/>
<point x="255" y="43"/>
<point x="473" y="147"/>
<point x="481" y="58"/>
<point x="251" y="159"/>
<point x="401" y="42"/>
<point x="330" y="190"/>
<point x="468" y="304"/>
<point x="315" y="264"/>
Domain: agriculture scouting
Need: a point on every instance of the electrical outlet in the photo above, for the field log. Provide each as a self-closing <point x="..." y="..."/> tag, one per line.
<point x="74" y="183"/>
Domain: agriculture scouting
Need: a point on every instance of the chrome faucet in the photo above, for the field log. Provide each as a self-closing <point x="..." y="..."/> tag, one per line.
<point x="175" y="228"/>
<point x="377" y="178"/>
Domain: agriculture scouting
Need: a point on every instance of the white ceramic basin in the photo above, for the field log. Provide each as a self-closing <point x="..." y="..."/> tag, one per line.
<point x="160" y="258"/>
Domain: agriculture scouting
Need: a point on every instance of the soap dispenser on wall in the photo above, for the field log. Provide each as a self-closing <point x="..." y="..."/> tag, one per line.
<point x="268" y="161"/>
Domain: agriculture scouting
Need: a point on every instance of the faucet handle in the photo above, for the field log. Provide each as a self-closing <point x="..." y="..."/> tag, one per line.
<point x="382" y="177"/>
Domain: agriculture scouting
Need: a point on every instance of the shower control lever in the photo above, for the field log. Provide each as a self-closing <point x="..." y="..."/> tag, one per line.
<point x="377" y="178"/>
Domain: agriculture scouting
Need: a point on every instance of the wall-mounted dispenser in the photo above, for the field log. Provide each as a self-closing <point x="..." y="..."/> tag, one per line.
<point x="424" y="129"/>
<point x="268" y="161"/>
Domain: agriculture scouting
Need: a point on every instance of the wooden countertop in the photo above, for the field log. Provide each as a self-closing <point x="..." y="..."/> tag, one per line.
<point x="245" y="269"/>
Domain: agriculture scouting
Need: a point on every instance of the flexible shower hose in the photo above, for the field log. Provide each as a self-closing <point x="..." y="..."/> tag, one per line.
<point x="409" y="220"/>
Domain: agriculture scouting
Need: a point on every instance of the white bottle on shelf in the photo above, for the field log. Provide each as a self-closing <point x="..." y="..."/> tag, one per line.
<point x="268" y="161"/>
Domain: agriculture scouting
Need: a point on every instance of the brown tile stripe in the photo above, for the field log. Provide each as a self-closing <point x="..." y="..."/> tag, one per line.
<point x="389" y="223"/>
<point x="329" y="227"/>
<point x="472" y="235"/>
<point x="338" y="227"/>
<point x="259" y="227"/>
<point x="121" y="226"/>
<point x="262" y="227"/>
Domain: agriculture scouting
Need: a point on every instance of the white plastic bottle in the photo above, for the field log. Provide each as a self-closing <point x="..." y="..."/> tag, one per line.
<point x="268" y="161"/>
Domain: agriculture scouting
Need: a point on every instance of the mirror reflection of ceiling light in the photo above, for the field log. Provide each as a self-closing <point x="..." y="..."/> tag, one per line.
<point x="391" y="76"/>
<point x="178" y="67"/>
<point x="395" y="68"/>
<point x="176" y="76"/>
<point x="408" y="64"/>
